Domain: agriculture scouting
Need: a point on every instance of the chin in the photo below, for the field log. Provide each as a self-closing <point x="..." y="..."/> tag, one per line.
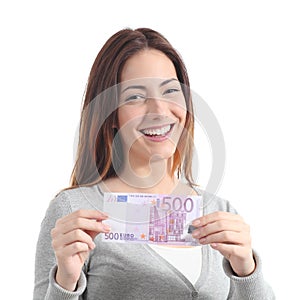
<point x="164" y="154"/>
<point x="152" y="152"/>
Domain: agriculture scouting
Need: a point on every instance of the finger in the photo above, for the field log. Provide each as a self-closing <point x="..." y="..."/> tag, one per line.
<point x="218" y="226"/>
<point x="76" y="235"/>
<point x="84" y="213"/>
<point x="72" y="249"/>
<point x="227" y="237"/>
<point x="83" y="224"/>
<point x="213" y="217"/>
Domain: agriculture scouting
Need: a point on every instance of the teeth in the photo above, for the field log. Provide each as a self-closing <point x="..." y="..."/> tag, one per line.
<point x="158" y="131"/>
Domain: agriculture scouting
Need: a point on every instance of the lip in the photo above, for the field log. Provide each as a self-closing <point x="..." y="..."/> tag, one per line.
<point x="157" y="138"/>
<point x="157" y="126"/>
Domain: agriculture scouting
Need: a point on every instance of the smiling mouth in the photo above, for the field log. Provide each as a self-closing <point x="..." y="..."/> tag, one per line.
<point x="157" y="131"/>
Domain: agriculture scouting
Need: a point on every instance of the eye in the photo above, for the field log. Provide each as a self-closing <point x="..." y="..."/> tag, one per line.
<point x="170" y="91"/>
<point x="135" y="97"/>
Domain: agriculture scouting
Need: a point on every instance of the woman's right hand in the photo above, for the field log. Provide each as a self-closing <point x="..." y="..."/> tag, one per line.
<point x="72" y="241"/>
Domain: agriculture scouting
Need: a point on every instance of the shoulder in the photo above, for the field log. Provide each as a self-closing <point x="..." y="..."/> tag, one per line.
<point x="212" y="202"/>
<point x="69" y="200"/>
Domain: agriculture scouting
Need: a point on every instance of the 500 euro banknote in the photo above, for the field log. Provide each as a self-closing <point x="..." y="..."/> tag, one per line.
<point x="151" y="218"/>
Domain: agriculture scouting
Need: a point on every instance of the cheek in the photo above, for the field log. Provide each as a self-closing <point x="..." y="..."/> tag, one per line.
<point x="178" y="108"/>
<point x="128" y="120"/>
<point x="180" y="112"/>
<point x="125" y="116"/>
<point x="131" y="114"/>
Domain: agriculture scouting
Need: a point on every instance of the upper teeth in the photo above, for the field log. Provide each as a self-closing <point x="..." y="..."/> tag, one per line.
<point x="157" y="131"/>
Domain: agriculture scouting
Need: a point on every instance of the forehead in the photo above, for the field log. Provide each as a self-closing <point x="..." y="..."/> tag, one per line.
<point x="148" y="83"/>
<point x="148" y="63"/>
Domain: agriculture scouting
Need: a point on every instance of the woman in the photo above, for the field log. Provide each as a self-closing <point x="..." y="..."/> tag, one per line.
<point x="136" y="135"/>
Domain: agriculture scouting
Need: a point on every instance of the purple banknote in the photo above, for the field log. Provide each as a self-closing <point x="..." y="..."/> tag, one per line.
<point x="151" y="218"/>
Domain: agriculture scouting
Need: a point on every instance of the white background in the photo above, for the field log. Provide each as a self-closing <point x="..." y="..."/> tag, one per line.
<point x="243" y="59"/>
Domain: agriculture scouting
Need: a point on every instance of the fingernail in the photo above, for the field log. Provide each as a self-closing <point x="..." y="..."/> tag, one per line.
<point x="196" y="234"/>
<point x="196" y="223"/>
<point x="202" y="240"/>
<point x="106" y="227"/>
<point x="93" y="246"/>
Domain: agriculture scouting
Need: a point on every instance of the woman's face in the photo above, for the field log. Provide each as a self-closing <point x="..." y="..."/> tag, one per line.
<point x="152" y="110"/>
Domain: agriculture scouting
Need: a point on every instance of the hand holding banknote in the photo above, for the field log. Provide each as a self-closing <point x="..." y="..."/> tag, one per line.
<point x="230" y="235"/>
<point x="72" y="241"/>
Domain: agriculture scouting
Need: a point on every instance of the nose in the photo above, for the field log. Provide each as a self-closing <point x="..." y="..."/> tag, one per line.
<point x="157" y="106"/>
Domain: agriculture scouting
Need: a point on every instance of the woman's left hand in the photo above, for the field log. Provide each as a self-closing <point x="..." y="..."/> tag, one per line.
<point x="230" y="235"/>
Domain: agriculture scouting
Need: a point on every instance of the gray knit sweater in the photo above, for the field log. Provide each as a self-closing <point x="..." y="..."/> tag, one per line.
<point x="134" y="271"/>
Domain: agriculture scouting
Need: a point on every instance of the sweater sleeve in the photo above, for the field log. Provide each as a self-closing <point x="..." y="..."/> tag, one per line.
<point x="45" y="286"/>
<point x="252" y="287"/>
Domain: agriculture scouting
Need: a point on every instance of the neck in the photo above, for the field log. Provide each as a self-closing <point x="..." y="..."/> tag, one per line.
<point x="145" y="176"/>
<point x="168" y="185"/>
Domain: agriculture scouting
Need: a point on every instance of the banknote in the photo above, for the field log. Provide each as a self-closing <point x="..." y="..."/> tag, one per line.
<point x="151" y="218"/>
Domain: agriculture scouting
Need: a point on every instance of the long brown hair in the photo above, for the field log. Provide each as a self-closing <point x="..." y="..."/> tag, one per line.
<point x="99" y="153"/>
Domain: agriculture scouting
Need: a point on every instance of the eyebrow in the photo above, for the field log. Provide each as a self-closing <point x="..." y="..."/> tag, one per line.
<point x="142" y="87"/>
<point x="167" y="81"/>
